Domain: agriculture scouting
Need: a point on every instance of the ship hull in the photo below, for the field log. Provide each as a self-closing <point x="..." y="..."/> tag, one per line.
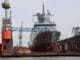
<point x="44" y="40"/>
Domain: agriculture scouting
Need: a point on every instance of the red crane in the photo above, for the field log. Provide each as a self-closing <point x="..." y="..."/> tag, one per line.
<point x="7" y="42"/>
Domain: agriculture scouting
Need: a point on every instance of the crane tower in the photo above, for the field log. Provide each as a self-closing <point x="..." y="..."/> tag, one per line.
<point x="7" y="43"/>
<point x="20" y="35"/>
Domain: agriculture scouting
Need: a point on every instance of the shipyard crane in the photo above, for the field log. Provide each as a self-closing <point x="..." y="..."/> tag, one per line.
<point x="7" y="42"/>
<point x="20" y="35"/>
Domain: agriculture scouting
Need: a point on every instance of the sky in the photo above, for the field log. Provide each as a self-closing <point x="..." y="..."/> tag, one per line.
<point x="66" y="16"/>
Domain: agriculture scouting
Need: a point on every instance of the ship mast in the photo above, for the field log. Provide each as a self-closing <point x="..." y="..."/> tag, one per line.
<point x="43" y="9"/>
<point x="20" y="35"/>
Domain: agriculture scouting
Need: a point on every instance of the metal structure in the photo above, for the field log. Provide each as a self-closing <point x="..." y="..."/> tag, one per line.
<point x="20" y="35"/>
<point x="7" y="42"/>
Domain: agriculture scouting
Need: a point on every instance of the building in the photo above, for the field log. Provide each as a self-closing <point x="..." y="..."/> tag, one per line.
<point x="69" y="45"/>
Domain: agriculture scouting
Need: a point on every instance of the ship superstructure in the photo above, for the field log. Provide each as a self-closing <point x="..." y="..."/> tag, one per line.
<point x="76" y="31"/>
<point x="44" y="32"/>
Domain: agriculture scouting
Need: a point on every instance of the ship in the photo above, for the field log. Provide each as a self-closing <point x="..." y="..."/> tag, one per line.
<point x="44" y="32"/>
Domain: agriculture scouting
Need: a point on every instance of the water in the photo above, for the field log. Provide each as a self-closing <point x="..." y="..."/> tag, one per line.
<point x="42" y="58"/>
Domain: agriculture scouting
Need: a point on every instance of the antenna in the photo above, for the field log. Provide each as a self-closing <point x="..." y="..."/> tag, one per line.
<point x="43" y="9"/>
<point x="73" y="30"/>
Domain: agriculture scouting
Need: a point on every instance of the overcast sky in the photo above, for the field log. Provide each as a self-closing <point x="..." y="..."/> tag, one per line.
<point x="66" y="15"/>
